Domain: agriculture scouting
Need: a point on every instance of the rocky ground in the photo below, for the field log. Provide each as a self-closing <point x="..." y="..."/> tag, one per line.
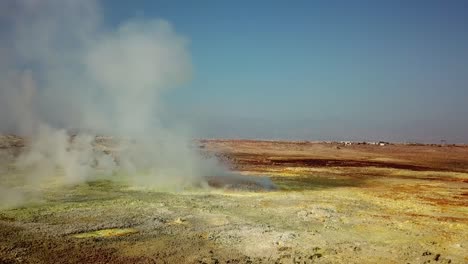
<point x="331" y="204"/>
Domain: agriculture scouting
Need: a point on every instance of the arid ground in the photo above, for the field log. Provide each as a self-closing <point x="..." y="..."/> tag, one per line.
<point x="331" y="204"/>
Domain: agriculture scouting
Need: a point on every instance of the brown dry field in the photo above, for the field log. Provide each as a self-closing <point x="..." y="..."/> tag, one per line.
<point x="332" y="204"/>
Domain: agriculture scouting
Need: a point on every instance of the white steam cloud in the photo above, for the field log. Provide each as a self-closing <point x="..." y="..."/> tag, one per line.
<point x="62" y="70"/>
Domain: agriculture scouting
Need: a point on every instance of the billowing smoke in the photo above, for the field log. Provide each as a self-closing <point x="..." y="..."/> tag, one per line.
<point x="64" y="72"/>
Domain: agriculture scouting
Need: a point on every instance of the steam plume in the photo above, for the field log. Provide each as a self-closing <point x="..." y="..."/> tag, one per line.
<point x="61" y="69"/>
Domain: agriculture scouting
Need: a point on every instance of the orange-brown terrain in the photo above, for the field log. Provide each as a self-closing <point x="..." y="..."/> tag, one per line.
<point x="330" y="203"/>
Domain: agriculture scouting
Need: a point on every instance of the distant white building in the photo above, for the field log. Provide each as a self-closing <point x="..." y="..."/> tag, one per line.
<point x="382" y="143"/>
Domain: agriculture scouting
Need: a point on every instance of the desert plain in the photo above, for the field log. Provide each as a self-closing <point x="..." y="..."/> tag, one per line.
<point x="322" y="202"/>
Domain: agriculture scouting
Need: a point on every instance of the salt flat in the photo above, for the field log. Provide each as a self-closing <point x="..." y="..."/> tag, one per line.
<point x="331" y="204"/>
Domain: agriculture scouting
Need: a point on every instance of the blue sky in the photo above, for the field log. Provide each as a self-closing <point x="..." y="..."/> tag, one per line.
<point x="319" y="70"/>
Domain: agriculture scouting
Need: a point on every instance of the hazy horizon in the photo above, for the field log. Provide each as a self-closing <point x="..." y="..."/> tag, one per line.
<point x="310" y="70"/>
<point x="335" y="70"/>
